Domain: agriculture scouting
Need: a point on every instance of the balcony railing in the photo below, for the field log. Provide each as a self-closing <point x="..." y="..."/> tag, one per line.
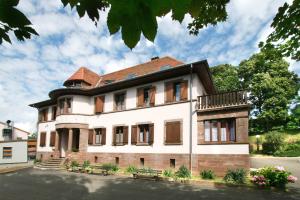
<point x="220" y="100"/>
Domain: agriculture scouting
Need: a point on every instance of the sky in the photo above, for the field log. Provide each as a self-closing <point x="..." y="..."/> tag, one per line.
<point x="30" y="70"/>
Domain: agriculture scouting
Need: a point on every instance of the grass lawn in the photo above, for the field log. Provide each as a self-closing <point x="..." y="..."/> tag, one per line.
<point x="291" y="138"/>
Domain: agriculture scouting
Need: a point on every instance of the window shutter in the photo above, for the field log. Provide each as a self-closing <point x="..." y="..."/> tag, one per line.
<point x="46" y="115"/>
<point x="183" y="90"/>
<point x="152" y="96"/>
<point x="114" y="136"/>
<point x="91" y="136"/>
<point x="173" y="132"/>
<point x="140" y="97"/>
<point x="151" y="136"/>
<point x="103" y="139"/>
<point x="42" y="139"/>
<point x="99" y="104"/>
<point x="52" y="139"/>
<point x="134" y="134"/>
<point x="169" y="92"/>
<point x="125" y="136"/>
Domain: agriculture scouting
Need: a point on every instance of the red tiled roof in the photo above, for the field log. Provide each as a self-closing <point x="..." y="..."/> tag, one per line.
<point x="86" y="75"/>
<point x="92" y="78"/>
<point x="141" y="69"/>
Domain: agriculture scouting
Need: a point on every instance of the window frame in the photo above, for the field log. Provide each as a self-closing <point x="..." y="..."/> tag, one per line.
<point x="100" y="131"/>
<point x="64" y="109"/>
<point x="145" y="139"/>
<point x="7" y="152"/>
<point x="124" y="103"/>
<point x="219" y="131"/>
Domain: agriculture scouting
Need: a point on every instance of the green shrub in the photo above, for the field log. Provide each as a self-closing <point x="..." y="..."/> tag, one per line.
<point x="86" y="164"/>
<point x="36" y="161"/>
<point x="74" y="163"/>
<point x="110" y="167"/>
<point x="183" y="172"/>
<point x="168" y="173"/>
<point x="272" y="176"/>
<point x="207" y="174"/>
<point x="273" y="142"/>
<point x="235" y="176"/>
<point x="289" y="150"/>
<point x="131" y="169"/>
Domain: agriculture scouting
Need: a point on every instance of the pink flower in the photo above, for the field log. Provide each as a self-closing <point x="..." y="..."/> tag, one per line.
<point x="292" y="179"/>
<point x="279" y="168"/>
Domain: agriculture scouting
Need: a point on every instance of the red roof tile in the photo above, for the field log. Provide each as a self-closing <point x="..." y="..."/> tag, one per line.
<point x="86" y="75"/>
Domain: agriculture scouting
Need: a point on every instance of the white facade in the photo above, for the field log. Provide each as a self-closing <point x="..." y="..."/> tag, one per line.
<point x="18" y="154"/>
<point x="83" y="112"/>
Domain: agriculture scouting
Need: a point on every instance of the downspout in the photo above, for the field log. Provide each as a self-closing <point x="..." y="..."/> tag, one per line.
<point x="191" y="116"/>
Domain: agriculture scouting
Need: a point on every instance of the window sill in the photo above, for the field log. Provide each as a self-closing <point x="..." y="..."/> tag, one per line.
<point x="96" y="144"/>
<point x="220" y="143"/>
<point x="120" y="144"/>
<point x="179" y="143"/>
<point x="142" y="144"/>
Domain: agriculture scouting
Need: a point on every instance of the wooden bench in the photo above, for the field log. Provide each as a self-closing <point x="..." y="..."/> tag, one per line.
<point x="102" y="170"/>
<point x="147" y="173"/>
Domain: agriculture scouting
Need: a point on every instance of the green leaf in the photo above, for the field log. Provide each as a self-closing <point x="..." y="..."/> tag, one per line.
<point x="131" y="32"/>
<point x="179" y="9"/>
<point x="148" y="24"/>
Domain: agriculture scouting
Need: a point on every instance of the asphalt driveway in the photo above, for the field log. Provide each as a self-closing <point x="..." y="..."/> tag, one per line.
<point x="33" y="184"/>
<point x="290" y="164"/>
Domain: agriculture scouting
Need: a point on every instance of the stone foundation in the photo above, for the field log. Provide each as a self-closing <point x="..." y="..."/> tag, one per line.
<point x="219" y="163"/>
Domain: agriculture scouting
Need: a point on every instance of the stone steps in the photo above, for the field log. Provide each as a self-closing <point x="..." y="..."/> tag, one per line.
<point x="53" y="163"/>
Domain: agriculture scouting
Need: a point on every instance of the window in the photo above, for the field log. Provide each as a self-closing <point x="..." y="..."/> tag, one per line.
<point x="146" y="96"/>
<point x="172" y="163"/>
<point x="176" y="91"/>
<point x="65" y="105"/>
<point x="43" y="115"/>
<point x="219" y="130"/>
<point x="120" y="102"/>
<point x="120" y="135"/>
<point x="142" y="162"/>
<point x="97" y="136"/>
<point x="144" y="133"/>
<point x="54" y="110"/>
<point x="7" y="134"/>
<point x="117" y="160"/>
<point x="7" y="152"/>
<point x="173" y="132"/>
<point x="42" y="139"/>
<point x="52" y="139"/>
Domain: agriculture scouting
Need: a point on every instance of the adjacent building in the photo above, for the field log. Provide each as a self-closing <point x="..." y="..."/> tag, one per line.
<point x="13" y="144"/>
<point x="160" y="114"/>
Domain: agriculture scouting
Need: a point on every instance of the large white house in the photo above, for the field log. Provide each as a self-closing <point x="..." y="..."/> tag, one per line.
<point x="160" y="114"/>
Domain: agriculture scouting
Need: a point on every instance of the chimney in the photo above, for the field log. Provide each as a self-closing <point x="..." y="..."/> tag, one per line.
<point x="155" y="58"/>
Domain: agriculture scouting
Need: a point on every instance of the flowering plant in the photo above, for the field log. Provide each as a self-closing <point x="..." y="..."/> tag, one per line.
<point x="272" y="176"/>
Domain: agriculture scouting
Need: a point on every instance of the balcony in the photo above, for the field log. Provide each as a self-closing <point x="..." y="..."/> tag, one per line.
<point x="222" y="101"/>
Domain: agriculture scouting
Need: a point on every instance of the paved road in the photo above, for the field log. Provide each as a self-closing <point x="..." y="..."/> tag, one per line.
<point x="290" y="164"/>
<point x="33" y="184"/>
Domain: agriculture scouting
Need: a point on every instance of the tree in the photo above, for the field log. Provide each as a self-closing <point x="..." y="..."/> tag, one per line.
<point x="286" y="34"/>
<point x="225" y="78"/>
<point x="12" y="20"/>
<point x="272" y="87"/>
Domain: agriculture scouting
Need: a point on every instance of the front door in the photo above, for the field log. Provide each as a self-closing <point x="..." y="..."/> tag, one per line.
<point x="63" y="144"/>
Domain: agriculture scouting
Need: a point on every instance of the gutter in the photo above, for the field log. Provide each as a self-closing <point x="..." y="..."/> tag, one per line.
<point x="191" y="116"/>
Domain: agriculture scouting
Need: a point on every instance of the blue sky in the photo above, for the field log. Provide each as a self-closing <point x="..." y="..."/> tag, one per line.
<point x="29" y="70"/>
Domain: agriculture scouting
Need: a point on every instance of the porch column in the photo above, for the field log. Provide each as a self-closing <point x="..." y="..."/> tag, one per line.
<point x="70" y="140"/>
<point x="83" y="140"/>
<point x="56" y="140"/>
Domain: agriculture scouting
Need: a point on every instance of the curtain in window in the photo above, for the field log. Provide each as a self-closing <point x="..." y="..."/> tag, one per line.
<point x="223" y="132"/>
<point x="207" y="131"/>
<point x="214" y="131"/>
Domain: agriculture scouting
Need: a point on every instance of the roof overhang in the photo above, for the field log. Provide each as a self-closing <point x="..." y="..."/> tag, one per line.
<point x="201" y="68"/>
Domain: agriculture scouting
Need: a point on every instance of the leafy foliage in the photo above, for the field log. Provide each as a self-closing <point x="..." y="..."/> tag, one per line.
<point x="12" y="20"/>
<point x="226" y="78"/>
<point x="207" y="174"/>
<point x="110" y="167"/>
<point x="286" y="34"/>
<point x="168" y="173"/>
<point x="289" y="150"/>
<point x="272" y="176"/>
<point x="131" y="169"/>
<point x="183" y="172"/>
<point x="273" y="142"/>
<point x="235" y="176"/>
<point x="272" y="87"/>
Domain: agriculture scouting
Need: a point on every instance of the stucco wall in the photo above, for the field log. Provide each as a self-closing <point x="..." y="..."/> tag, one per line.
<point x="17" y="133"/>
<point x="19" y="152"/>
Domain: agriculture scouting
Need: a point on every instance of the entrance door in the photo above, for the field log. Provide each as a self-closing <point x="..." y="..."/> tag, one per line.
<point x="63" y="144"/>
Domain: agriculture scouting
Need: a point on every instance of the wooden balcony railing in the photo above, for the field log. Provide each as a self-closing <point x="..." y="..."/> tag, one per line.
<point x="221" y="100"/>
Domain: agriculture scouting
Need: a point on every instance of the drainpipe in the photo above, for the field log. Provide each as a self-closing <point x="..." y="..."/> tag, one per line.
<point x="191" y="116"/>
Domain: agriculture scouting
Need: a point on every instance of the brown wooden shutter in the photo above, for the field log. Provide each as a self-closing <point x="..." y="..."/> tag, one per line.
<point x="169" y="92"/>
<point x="103" y="139"/>
<point x="173" y="130"/>
<point x="134" y="134"/>
<point x="46" y="115"/>
<point x="52" y="139"/>
<point x="152" y="95"/>
<point x="91" y="136"/>
<point x="183" y="90"/>
<point x="125" y="136"/>
<point x="151" y="136"/>
<point x="42" y="139"/>
<point x="99" y="104"/>
<point x="114" y="136"/>
<point x="140" y="97"/>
